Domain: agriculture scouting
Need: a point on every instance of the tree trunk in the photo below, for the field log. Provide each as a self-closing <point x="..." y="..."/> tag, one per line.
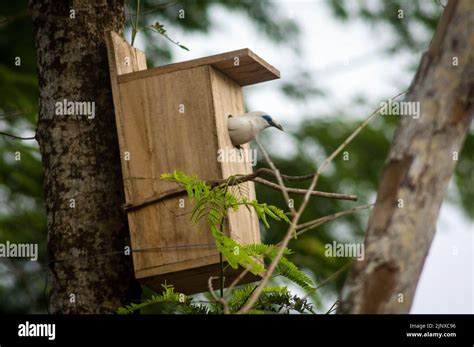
<point x="420" y="164"/>
<point x="82" y="179"/>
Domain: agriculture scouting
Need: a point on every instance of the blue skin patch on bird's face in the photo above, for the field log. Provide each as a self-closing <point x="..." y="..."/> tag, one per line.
<point x="269" y="120"/>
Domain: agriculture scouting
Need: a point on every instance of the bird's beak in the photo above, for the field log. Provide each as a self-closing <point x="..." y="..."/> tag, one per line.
<point x="278" y="126"/>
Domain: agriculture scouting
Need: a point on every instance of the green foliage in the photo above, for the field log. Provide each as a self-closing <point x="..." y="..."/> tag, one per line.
<point x="285" y="267"/>
<point x="215" y="203"/>
<point x="160" y="29"/>
<point x="157" y="28"/>
<point x="168" y="302"/>
<point x="272" y="300"/>
<point x="234" y="253"/>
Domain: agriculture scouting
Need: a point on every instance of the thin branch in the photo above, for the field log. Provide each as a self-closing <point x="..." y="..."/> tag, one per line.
<point x="150" y="27"/>
<point x="153" y="199"/>
<point x="215" y="297"/>
<point x="237" y="280"/>
<point x="297" y="216"/>
<point x="248" y="296"/>
<point x="317" y="222"/>
<point x="237" y="180"/>
<point x="286" y="177"/>
<point x="332" y="276"/>
<point x="135" y="28"/>
<point x="13" y="114"/>
<point x="18" y="137"/>
<point x="333" y="307"/>
<point x="303" y="191"/>
<point x="281" y="185"/>
<point x="269" y="172"/>
<point x="328" y="279"/>
<point x="273" y="265"/>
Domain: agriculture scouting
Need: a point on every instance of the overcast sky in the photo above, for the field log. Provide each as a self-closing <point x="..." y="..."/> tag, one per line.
<point x="345" y="60"/>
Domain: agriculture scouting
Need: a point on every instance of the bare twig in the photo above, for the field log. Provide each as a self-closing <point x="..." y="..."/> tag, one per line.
<point x="333" y="307"/>
<point x="284" y="243"/>
<point x="215" y="297"/>
<point x="281" y="185"/>
<point x="256" y="294"/>
<point x="317" y="222"/>
<point x="303" y="191"/>
<point x="286" y="177"/>
<point x="333" y="276"/>
<point x="328" y="279"/>
<point x="18" y="137"/>
<point x="237" y="280"/>
<point x="306" y="227"/>
<point x="155" y="198"/>
<point x="13" y="114"/>
<point x="241" y="179"/>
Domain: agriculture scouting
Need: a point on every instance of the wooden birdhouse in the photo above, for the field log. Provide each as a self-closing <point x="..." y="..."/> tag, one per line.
<point x="174" y="117"/>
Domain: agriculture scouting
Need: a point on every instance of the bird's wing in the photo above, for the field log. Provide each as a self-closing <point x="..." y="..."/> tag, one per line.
<point x="240" y="130"/>
<point x="236" y="123"/>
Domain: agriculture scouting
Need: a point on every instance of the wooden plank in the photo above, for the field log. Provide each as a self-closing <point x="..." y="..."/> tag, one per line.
<point x="243" y="66"/>
<point x="125" y="59"/>
<point x="195" y="280"/>
<point x="122" y="59"/>
<point x="228" y="99"/>
<point x="166" y="140"/>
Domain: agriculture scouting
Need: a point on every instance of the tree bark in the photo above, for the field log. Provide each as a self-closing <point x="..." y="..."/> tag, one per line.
<point x="80" y="157"/>
<point x="419" y="166"/>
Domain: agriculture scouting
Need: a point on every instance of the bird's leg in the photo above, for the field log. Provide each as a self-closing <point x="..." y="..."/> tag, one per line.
<point x="239" y="147"/>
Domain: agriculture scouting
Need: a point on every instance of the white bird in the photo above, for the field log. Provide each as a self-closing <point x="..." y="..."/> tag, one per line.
<point x="244" y="128"/>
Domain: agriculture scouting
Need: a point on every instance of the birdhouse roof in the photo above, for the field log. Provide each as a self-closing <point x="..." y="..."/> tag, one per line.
<point x="243" y="66"/>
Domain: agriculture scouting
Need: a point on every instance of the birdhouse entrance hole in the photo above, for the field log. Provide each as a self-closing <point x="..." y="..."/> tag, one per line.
<point x="174" y="117"/>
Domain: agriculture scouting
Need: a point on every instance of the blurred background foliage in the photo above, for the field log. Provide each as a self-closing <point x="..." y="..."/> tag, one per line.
<point x="22" y="213"/>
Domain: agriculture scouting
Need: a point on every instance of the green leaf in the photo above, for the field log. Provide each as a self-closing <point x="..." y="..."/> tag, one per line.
<point x="270" y="213"/>
<point x="169" y="300"/>
<point x="215" y="203"/>
<point x="280" y="213"/>
<point x="291" y="271"/>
